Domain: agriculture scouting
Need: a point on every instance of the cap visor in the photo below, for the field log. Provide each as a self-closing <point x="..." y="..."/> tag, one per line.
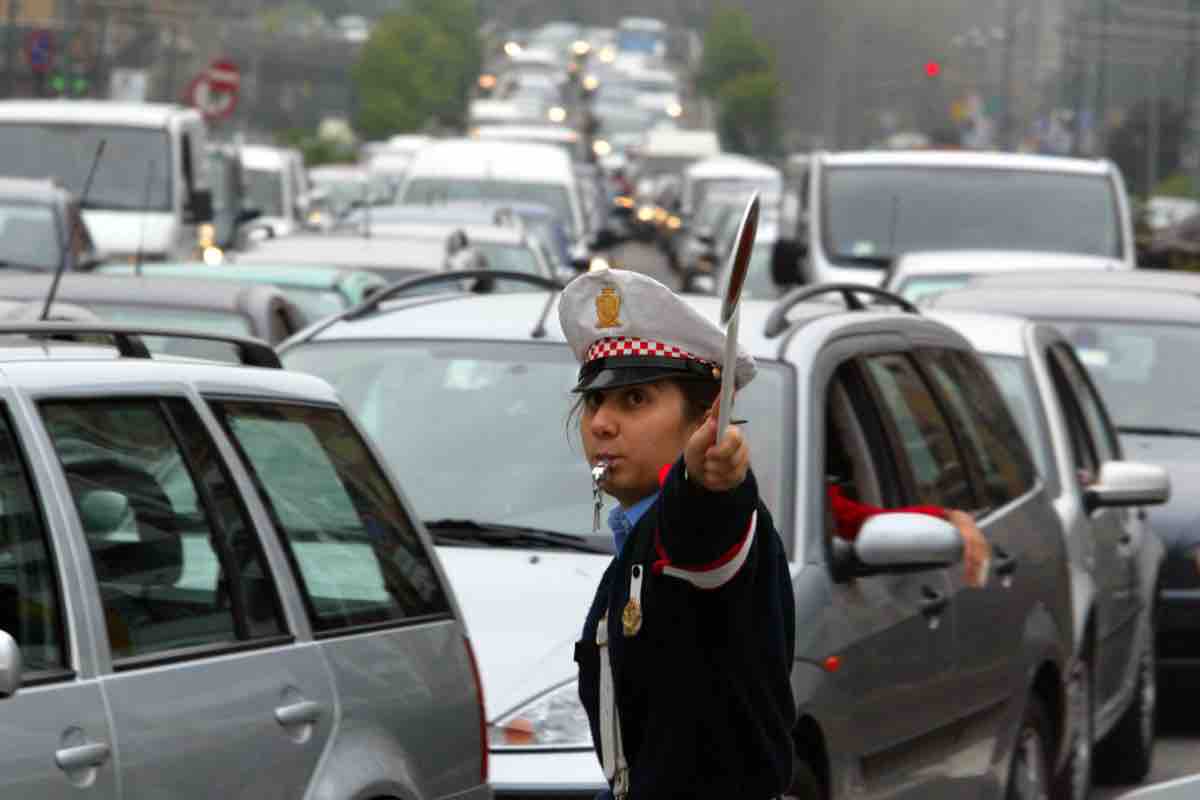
<point x="616" y="377"/>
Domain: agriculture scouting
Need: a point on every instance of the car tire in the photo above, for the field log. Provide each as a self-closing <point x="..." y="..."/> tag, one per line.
<point x="1029" y="772"/>
<point x="1126" y="754"/>
<point x="805" y="783"/>
<point x="1075" y="780"/>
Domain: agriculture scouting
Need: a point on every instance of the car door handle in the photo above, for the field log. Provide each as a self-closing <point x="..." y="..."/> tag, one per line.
<point x="306" y="712"/>
<point x="933" y="602"/>
<point x="83" y="756"/>
<point x="1004" y="563"/>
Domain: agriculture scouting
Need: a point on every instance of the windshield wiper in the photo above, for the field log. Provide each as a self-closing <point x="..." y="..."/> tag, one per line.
<point x="17" y="265"/>
<point x="1140" y="430"/>
<point x="463" y="531"/>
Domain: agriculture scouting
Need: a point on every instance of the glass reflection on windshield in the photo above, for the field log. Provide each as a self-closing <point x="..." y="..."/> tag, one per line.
<point x="500" y="450"/>
<point x="28" y="237"/>
<point x="878" y="213"/>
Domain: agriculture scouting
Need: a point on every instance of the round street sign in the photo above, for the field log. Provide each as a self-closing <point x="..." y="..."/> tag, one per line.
<point x="39" y="50"/>
<point x="208" y="101"/>
<point x="224" y="76"/>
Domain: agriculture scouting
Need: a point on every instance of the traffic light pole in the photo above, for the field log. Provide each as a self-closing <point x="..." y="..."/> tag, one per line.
<point x="1010" y="57"/>
<point x="1100" y="120"/>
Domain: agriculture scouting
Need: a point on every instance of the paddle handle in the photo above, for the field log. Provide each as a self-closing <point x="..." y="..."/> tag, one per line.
<point x="728" y="370"/>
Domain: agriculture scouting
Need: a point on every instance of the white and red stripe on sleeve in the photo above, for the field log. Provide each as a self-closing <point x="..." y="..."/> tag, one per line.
<point x="713" y="575"/>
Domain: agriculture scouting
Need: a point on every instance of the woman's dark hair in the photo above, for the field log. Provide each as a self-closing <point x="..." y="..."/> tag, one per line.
<point x="698" y="397"/>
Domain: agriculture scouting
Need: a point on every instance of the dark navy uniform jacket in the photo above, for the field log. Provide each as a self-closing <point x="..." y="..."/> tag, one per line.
<point x="703" y="689"/>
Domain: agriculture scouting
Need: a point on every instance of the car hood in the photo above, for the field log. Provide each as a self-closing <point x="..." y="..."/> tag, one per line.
<point x="524" y="611"/>
<point x="119" y="233"/>
<point x="1178" y="522"/>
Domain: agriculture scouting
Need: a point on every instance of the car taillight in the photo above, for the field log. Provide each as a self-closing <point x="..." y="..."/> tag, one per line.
<point x="483" y="732"/>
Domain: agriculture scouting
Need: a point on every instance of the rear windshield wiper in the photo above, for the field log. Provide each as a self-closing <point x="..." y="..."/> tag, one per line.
<point x="469" y="531"/>
<point x="1140" y="430"/>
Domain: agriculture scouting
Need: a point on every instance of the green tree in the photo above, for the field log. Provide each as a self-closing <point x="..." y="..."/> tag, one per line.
<point x="731" y="50"/>
<point x="417" y="69"/>
<point x="748" y="115"/>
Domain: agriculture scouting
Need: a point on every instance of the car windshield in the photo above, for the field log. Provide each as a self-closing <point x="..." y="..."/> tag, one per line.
<point x="264" y="188"/>
<point x="434" y="191"/>
<point x="28" y="236"/>
<point x="1144" y="371"/>
<point x="921" y="286"/>
<point x="509" y="257"/>
<point x="134" y="173"/>
<point x="502" y="427"/>
<point x="632" y="41"/>
<point x="1013" y="377"/>
<point x="878" y="213"/>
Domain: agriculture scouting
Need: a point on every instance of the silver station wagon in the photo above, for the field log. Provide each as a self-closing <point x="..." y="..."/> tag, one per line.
<point x="908" y="683"/>
<point x="211" y="588"/>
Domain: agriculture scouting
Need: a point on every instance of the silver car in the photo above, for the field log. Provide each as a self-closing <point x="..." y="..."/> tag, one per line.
<point x="211" y="588"/>
<point x="1116" y="560"/>
<point x="909" y="684"/>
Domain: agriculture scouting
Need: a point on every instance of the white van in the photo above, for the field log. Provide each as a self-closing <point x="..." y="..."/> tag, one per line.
<point x="476" y="171"/>
<point x="726" y="170"/>
<point x="861" y="211"/>
<point x="276" y="186"/>
<point x="151" y="188"/>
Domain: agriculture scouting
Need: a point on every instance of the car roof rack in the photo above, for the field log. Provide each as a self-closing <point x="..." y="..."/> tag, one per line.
<point x="127" y="339"/>
<point x="777" y="320"/>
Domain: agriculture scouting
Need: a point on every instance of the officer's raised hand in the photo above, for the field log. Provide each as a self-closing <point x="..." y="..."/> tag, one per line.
<point x="717" y="466"/>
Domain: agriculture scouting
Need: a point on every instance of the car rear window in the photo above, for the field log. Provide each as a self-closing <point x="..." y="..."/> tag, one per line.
<point x="355" y="551"/>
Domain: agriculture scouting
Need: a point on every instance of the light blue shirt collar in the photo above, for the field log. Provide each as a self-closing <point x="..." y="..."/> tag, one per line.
<point x="623" y="520"/>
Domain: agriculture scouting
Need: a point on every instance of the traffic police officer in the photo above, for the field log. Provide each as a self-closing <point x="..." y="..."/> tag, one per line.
<point x="687" y="649"/>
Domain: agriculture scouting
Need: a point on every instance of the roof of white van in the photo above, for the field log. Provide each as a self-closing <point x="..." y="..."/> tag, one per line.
<point x="93" y="112"/>
<point x="513" y="161"/>
<point x="963" y="158"/>
<point x="529" y="133"/>
<point x="732" y="166"/>
<point x="672" y="141"/>
<point x="258" y="156"/>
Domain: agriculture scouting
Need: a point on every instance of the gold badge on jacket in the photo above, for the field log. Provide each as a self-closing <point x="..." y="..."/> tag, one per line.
<point x="608" y="308"/>
<point x="631" y="618"/>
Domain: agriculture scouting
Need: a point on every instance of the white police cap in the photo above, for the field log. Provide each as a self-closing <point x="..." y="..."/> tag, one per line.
<point x="626" y="328"/>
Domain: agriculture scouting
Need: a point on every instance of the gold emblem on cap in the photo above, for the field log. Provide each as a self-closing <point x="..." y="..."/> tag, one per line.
<point x="631" y="618"/>
<point x="608" y="308"/>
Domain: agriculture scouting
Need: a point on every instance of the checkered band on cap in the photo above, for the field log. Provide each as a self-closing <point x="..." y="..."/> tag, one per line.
<point x="631" y="346"/>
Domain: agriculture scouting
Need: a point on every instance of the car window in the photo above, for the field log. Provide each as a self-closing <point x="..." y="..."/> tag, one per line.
<point x="30" y="602"/>
<point x="1083" y="451"/>
<point x="357" y="554"/>
<point x="938" y="473"/>
<point x="1096" y="417"/>
<point x="175" y="569"/>
<point x="979" y="412"/>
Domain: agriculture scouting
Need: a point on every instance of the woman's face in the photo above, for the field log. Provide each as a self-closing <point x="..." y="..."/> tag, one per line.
<point x="637" y="429"/>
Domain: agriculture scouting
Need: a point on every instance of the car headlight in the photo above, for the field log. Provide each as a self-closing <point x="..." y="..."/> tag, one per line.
<point x="601" y="148"/>
<point x="554" y="721"/>
<point x="674" y="110"/>
<point x="646" y="213"/>
<point x="557" y="114"/>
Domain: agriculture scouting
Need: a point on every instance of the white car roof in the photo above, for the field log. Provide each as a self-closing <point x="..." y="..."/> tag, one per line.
<point x="511" y="161"/>
<point x="963" y="158"/>
<point x="424" y="230"/>
<point x="991" y="334"/>
<point x="98" y="367"/>
<point x="347" y="251"/>
<point x="672" y="141"/>
<point x="528" y="133"/>
<point x="732" y="166"/>
<point x="93" y="112"/>
<point x="944" y="262"/>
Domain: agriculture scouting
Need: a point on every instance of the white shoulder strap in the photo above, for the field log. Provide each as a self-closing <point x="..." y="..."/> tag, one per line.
<point x="612" y="751"/>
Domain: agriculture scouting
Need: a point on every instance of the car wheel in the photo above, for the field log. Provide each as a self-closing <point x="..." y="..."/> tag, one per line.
<point x="1075" y="780"/>
<point x="1029" y="774"/>
<point x="1126" y="753"/>
<point x="805" y="784"/>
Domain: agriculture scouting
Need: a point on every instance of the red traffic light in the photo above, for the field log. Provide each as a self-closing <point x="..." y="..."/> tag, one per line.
<point x="933" y="69"/>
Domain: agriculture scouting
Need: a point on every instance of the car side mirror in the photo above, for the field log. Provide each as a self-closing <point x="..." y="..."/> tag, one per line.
<point x="200" y="207"/>
<point x="786" y="256"/>
<point x="10" y="665"/>
<point x="1127" y="483"/>
<point x="903" y="542"/>
<point x="248" y="215"/>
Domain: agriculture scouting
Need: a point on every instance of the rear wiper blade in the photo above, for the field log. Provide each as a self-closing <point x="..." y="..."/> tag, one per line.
<point x="1141" y="430"/>
<point x="453" y="531"/>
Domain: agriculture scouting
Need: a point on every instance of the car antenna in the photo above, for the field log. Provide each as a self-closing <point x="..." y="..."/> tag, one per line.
<point x="366" y="210"/>
<point x="71" y="226"/>
<point x="137" y="259"/>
